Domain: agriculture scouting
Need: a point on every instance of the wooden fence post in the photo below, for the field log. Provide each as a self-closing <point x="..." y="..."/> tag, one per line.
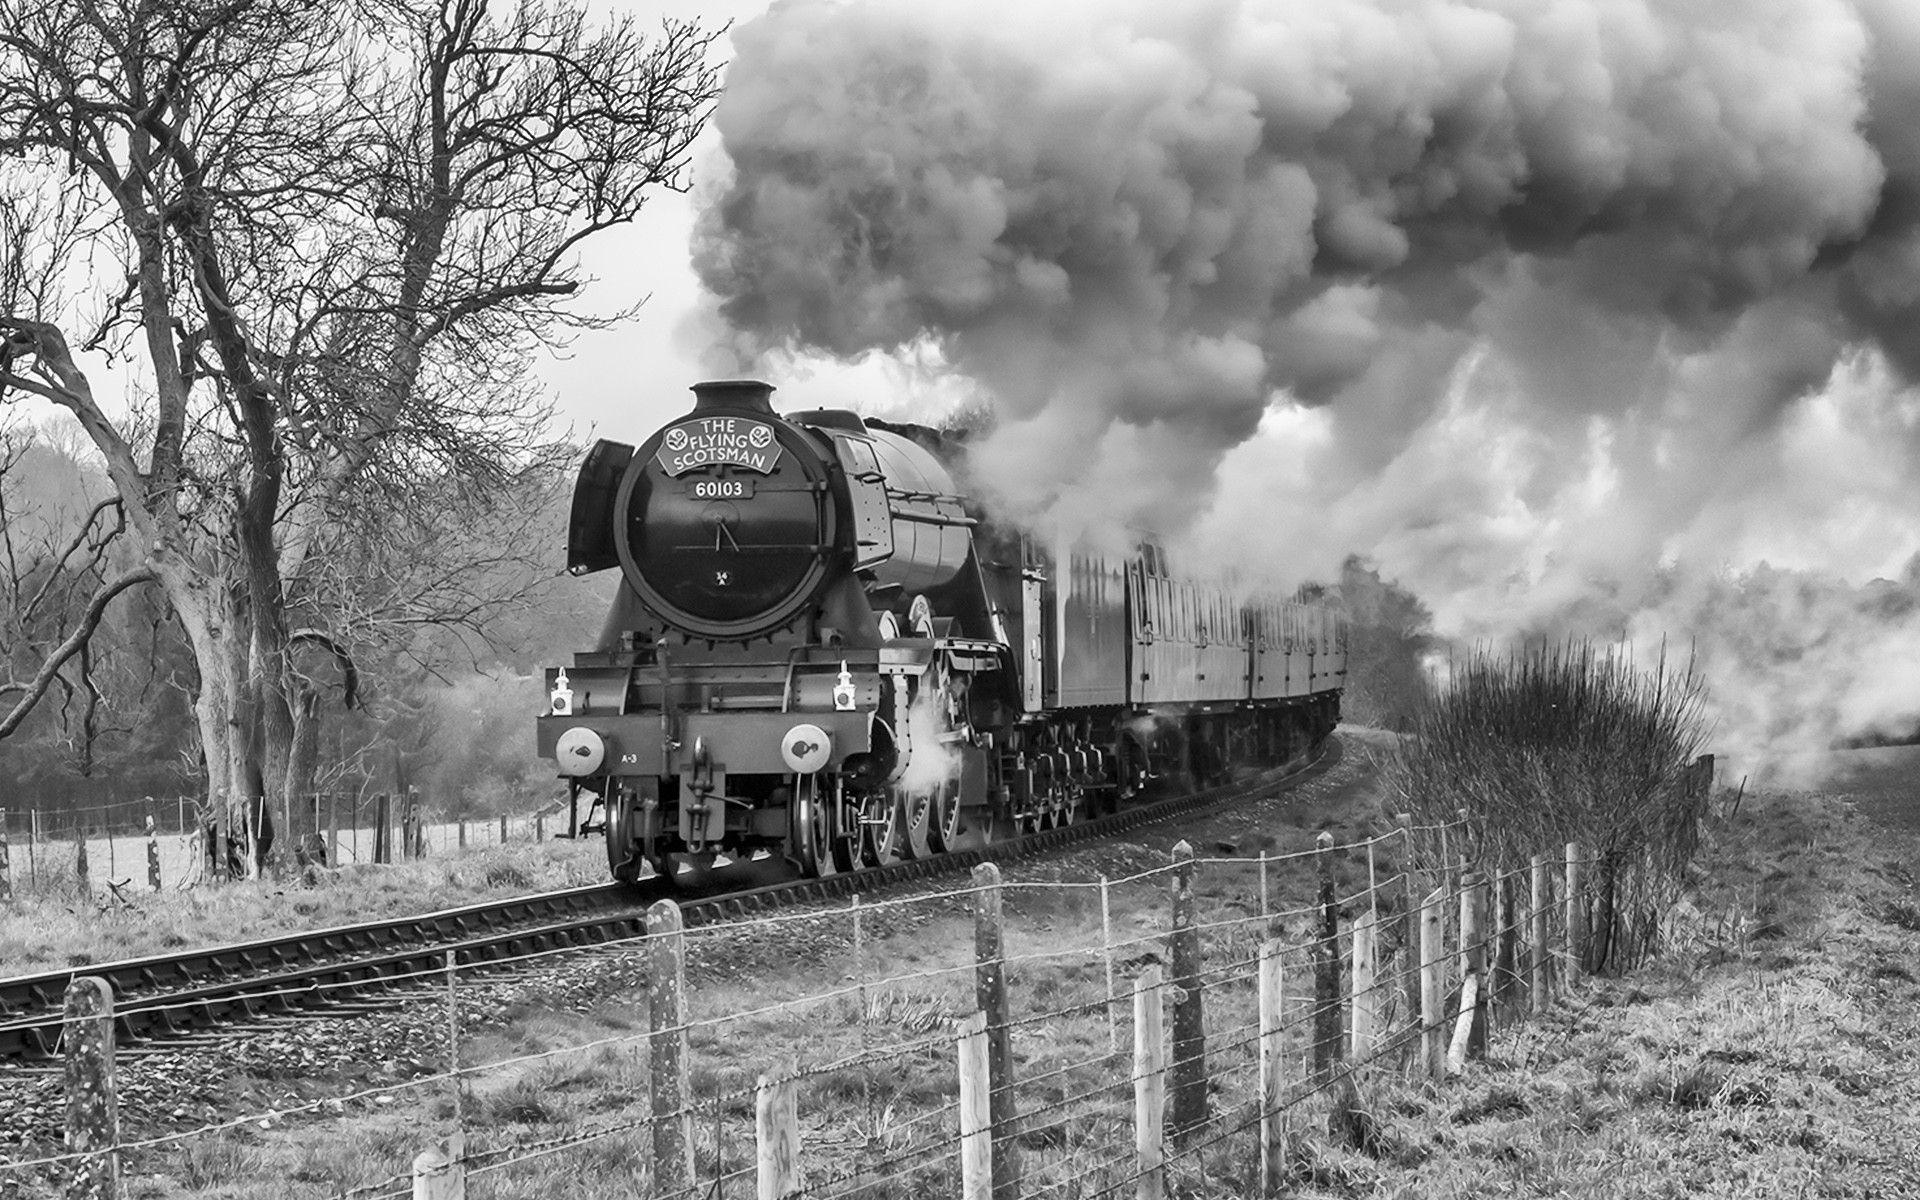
<point x="1473" y="961"/>
<point x="1106" y="947"/>
<point x="217" y="817"/>
<point x="1463" y="1028"/>
<point x="1576" y="918"/>
<point x="249" y="833"/>
<point x="503" y="829"/>
<point x="1266" y="901"/>
<point x="1373" y="879"/>
<point x="382" y="829"/>
<point x="333" y="829"/>
<point x="1328" y="1021"/>
<point x="33" y="848"/>
<point x="990" y="998"/>
<point x="1539" y="962"/>
<point x="863" y="1006"/>
<point x="540" y="826"/>
<point x="1507" y="940"/>
<point x="80" y="873"/>
<point x="976" y="1112"/>
<point x="440" y="1171"/>
<point x="776" y="1127"/>
<point x="1188" y="1070"/>
<point x="463" y="833"/>
<point x="1410" y="935"/>
<point x="6" y="865"/>
<point x="153" y="853"/>
<point x="1149" y="1086"/>
<point x="93" y="1103"/>
<point x="1367" y="1000"/>
<point x="1433" y="984"/>
<point x="1273" y="1085"/>
<point x="667" y="1049"/>
<point x="457" y="1085"/>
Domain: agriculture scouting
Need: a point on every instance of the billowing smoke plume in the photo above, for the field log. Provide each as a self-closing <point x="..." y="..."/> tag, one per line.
<point x="1542" y="304"/>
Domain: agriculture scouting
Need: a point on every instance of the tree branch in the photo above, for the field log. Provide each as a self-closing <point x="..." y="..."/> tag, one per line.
<point x="36" y="688"/>
<point x="79" y="539"/>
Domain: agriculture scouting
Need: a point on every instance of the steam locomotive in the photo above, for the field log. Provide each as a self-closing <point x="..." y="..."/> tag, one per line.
<point x="822" y="650"/>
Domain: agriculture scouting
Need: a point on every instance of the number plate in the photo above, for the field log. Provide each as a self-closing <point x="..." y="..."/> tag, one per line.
<point x="720" y="489"/>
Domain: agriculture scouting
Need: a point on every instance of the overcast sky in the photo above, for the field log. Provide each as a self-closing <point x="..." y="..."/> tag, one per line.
<point x="625" y="382"/>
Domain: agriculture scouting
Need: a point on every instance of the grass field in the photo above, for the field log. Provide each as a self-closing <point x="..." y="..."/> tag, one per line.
<point x="48" y="862"/>
<point x="55" y="926"/>
<point x="1773" y="1050"/>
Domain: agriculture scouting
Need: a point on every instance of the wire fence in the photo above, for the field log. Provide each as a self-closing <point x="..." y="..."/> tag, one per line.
<point x="158" y="842"/>
<point x="1073" y="1051"/>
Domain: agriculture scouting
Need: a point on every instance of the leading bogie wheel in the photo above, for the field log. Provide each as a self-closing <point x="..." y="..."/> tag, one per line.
<point x="824" y="835"/>
<point x="623" y="858"/>
<point x="812" y="828"/>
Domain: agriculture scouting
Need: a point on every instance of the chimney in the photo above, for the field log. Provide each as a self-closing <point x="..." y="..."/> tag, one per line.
<point x="735" y="395"/>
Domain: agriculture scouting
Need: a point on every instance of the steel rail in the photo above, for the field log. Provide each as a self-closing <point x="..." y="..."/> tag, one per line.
<point x="350" y="985"/>
<point x="25" y="999"/>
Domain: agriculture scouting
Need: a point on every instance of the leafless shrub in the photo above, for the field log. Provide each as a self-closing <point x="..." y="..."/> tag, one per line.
<point x="1559" y="743"/>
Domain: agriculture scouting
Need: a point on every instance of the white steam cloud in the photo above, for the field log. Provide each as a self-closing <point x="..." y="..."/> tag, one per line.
<point x="1568" y="313"/>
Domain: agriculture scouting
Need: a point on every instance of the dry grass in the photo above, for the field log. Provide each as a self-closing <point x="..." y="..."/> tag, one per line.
<point x="1772" y="1051"/>
<point x="57" y="927"/>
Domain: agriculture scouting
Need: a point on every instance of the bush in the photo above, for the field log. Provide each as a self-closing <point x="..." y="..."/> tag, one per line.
<point x="1556" y="744"/>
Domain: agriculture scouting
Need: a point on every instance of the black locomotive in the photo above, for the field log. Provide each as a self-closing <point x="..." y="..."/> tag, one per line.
<point x="822" y="650"/>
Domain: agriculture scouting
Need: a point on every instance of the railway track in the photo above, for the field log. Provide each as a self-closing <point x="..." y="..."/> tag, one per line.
<point x="349" y="970"/>
<point x="193" y="988"/>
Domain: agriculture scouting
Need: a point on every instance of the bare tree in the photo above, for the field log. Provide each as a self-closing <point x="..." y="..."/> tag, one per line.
<point x="107" y="666"/>
<point x="342" y="231"/>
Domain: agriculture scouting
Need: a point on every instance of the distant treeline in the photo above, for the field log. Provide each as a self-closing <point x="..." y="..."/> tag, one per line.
<point x="455" y="720"/>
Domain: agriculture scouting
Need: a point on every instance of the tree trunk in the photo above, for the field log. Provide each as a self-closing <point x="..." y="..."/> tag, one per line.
<point x="221" y="734"/>
<point x="303" y="758"/>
